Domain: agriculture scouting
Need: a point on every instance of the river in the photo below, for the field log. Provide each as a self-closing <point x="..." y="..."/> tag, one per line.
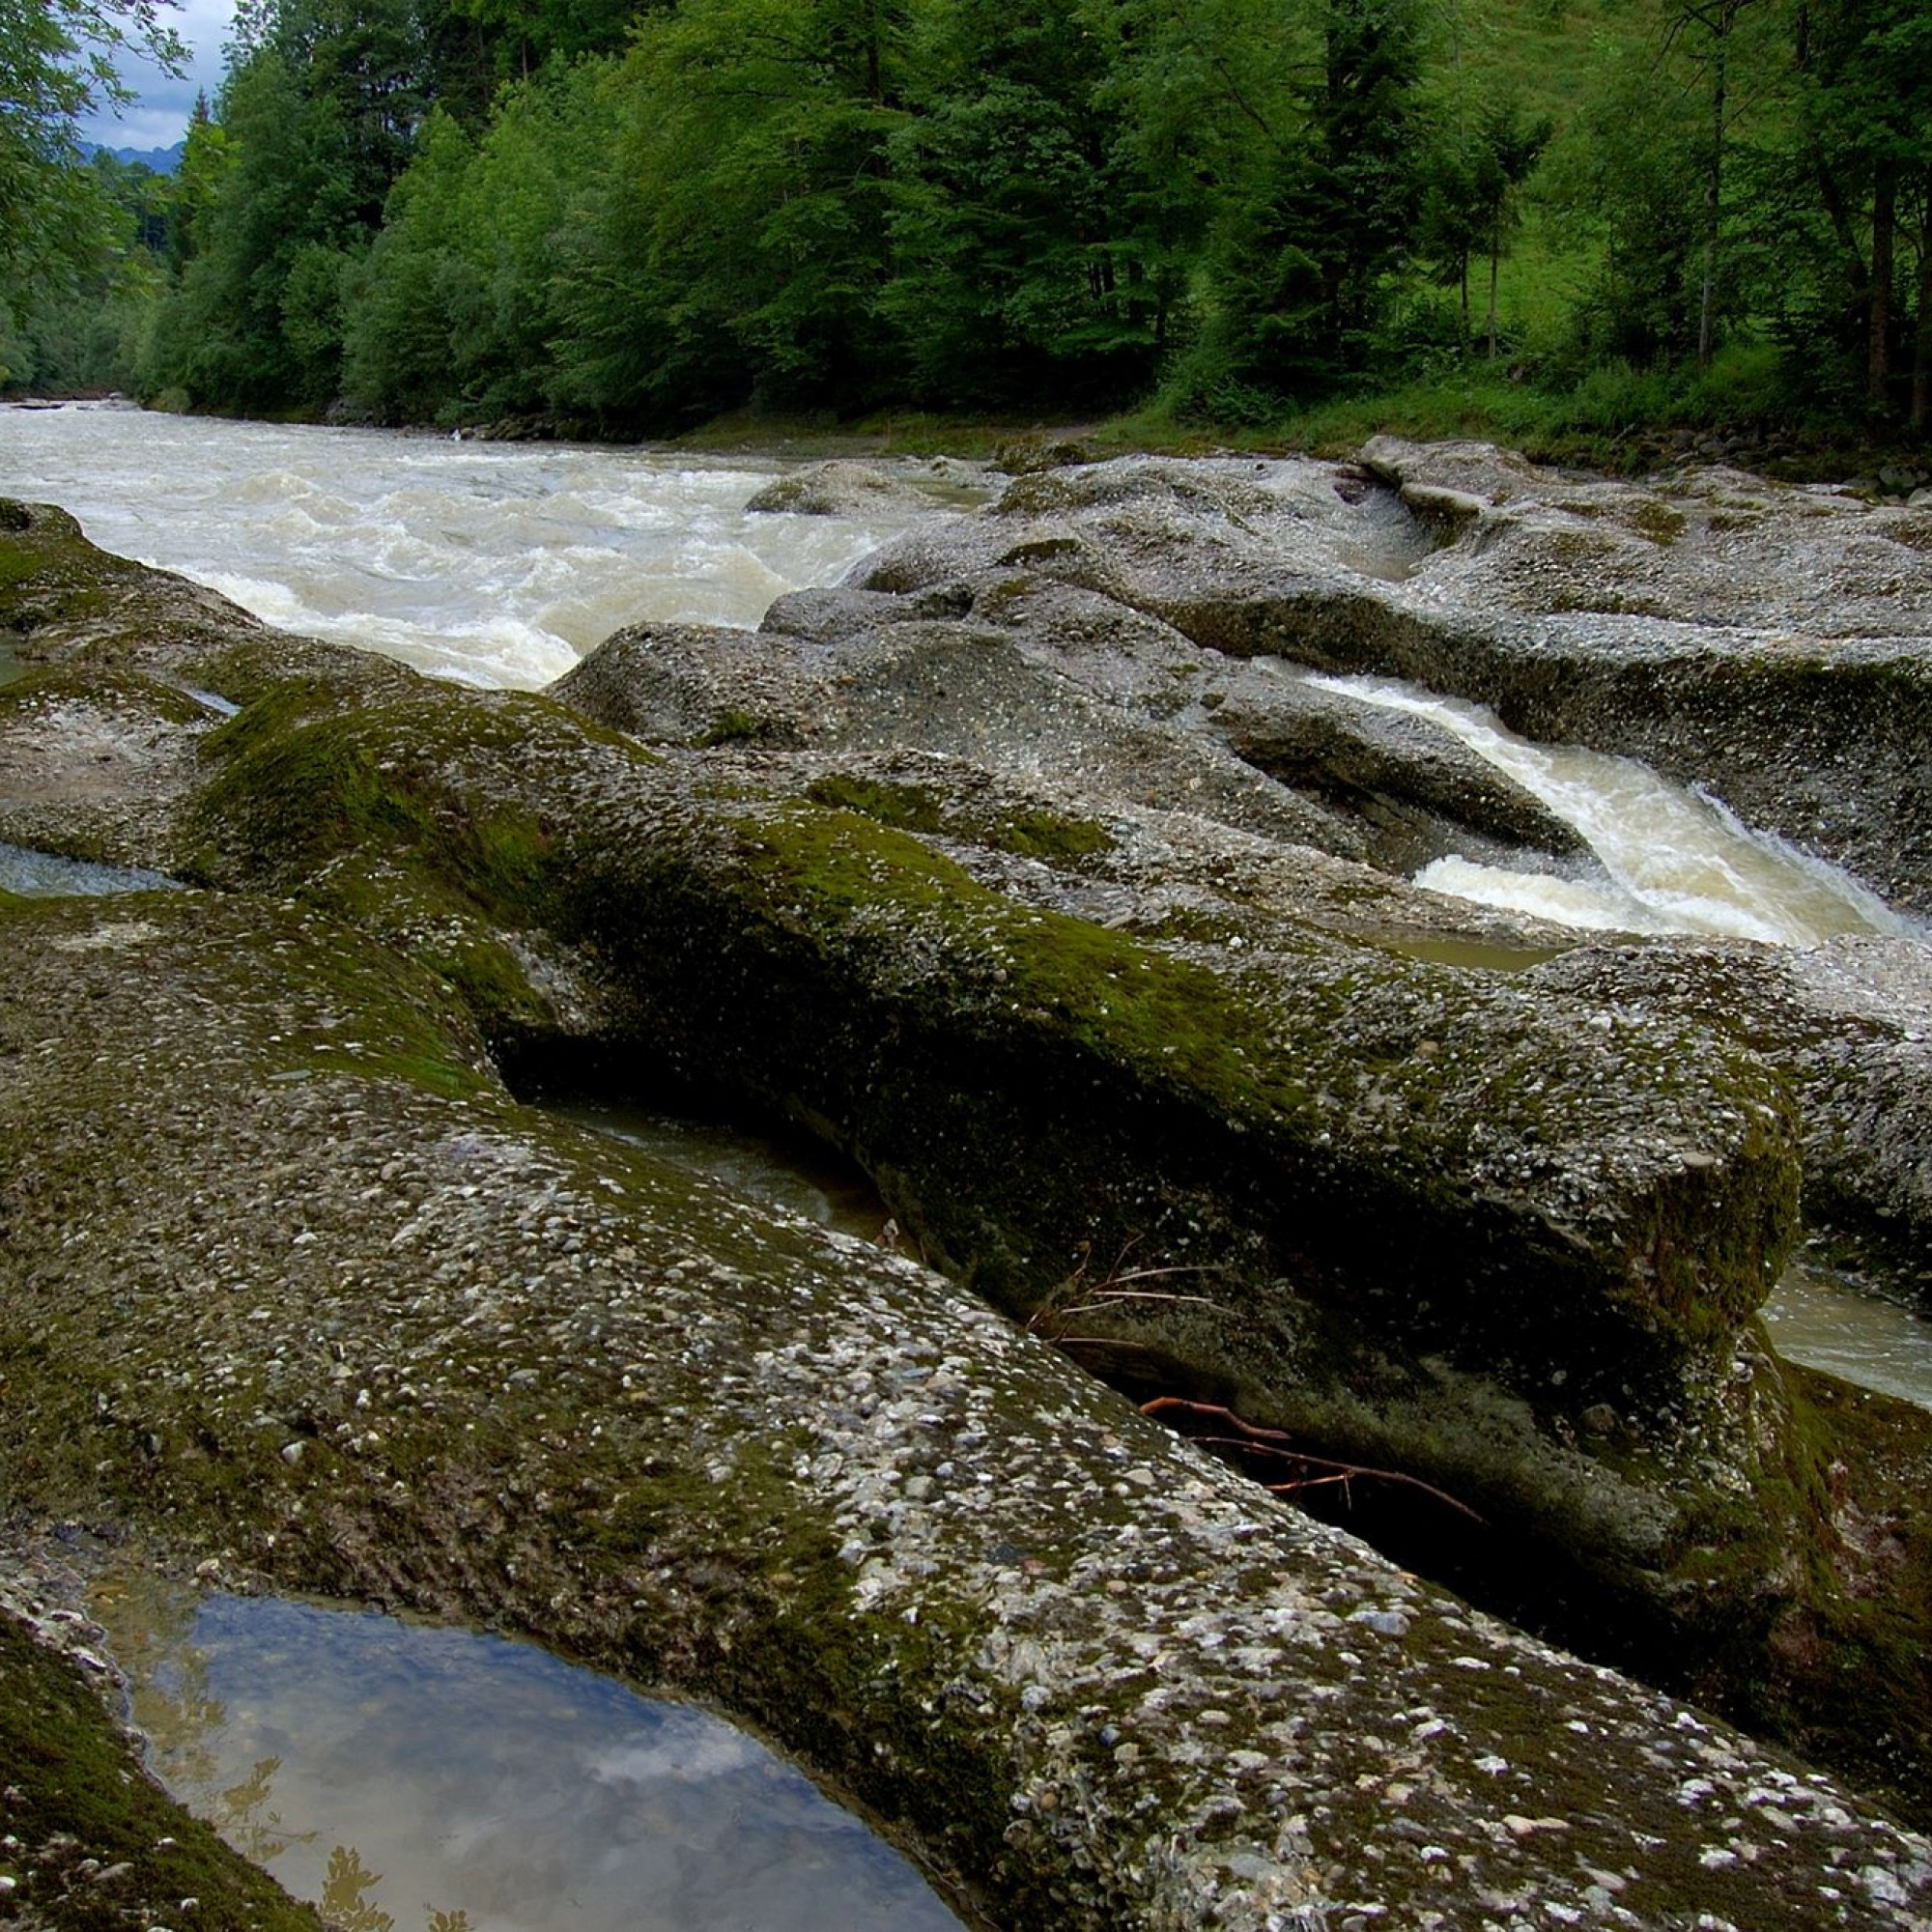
<point x="494" y="563"/>
<point x="502" y="563"/>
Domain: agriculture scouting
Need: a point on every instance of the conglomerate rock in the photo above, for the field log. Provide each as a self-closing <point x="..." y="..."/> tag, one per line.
<point x="314" y="1302"/>
<point x="1768" y="644"/>
<point x="1497" y="1232"/>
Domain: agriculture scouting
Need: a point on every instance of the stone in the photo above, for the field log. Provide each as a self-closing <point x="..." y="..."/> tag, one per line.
<point x="1073" y="1036"/>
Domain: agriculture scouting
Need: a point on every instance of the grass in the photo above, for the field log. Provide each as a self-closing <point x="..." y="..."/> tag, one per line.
<point x="1615" y="418"/>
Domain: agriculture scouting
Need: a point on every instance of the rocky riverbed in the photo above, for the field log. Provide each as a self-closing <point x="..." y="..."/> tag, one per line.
<point x="1023" y="875"/>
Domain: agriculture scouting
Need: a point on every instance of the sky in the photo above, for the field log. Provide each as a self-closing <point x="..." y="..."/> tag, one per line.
<point x="160" y="117"/>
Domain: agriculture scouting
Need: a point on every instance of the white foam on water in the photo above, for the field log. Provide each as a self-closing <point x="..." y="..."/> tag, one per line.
<point x="1667" y="860"/>
<point x="492" y="563"/>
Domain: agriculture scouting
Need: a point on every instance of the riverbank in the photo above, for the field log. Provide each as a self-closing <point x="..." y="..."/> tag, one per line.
<point x="1014" y="873"/>
<point x="1617" y="425"/>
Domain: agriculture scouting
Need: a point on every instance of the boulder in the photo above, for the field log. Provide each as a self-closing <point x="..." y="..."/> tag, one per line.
<point x="1231" y="1118"/>
<point x="1763" y="642"/>
<point x="1850" y="1022"/>
<point x="271" y="1194"/>
<point x="844" y="487"/>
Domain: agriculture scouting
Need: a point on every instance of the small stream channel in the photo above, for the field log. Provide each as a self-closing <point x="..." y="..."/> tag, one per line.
<point x="1814" y="1317"/>
<point x="792" y="1173"/>
<point x="36" y="874"/>
<point x="1667" y="860"/>
<point x="407" y="1776"/>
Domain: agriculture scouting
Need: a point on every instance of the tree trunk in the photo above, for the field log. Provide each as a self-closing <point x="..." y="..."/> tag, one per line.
<point x="1884" y="225"/>
<point x="1922" y="350"/>
<point x="1495" y="265"/>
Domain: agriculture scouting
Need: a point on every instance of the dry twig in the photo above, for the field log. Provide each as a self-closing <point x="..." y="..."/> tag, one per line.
<point x="1253" y="1440"/>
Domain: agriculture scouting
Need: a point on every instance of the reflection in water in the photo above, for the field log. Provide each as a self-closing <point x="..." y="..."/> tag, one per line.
<point x="1671" y="862"/>
<point x="41" y="875"/>
<point x="404" y="1775"/>
<point x="1816" y="1320"/>
<point x="793" y="1174"/>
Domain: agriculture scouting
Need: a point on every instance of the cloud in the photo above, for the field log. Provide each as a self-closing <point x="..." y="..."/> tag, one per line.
<point x="684" y="1751"/>
<point x="160" y="116"/>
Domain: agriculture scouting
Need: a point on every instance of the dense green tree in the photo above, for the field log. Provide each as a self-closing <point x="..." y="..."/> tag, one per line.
<point x="1473" y="178"/>
<point x="1017" y="273"/>
<point x="453" y="310"/>
<point x="58" y="63"/>
<point x="1625" y="192"/>
<point x="1327" y="209"/>
<point x="645" y="213"/>
<point x="1864" y="103"/>
<point x="318" y="117"/>
<point x="741" y="242"/>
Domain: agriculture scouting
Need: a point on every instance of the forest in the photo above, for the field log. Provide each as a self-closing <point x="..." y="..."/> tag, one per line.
<point x="617" y="220"/>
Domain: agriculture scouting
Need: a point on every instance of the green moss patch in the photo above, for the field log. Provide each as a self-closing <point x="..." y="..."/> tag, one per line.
<point x="92" y="1842"/>
<point x="1034" y="832"/>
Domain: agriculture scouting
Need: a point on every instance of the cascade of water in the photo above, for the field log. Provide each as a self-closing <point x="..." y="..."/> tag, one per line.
<point x="1667" y="860"/>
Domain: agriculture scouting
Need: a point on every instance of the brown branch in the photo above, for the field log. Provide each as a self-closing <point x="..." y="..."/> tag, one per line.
<point x="1101" y="1296"/>
<point x="1253" y="1440"/>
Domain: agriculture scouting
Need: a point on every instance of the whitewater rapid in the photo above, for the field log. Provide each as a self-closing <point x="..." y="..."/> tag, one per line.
<point x="502" y="564"/>
<point x="1665" y="859"/>
<point x="489" y="562"/>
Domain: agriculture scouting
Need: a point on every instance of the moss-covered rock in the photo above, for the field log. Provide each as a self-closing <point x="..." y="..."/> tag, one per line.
<point x="88" y="1842"/>
<point x="295" y="1311"/>
<point x="1426" y="1217"/>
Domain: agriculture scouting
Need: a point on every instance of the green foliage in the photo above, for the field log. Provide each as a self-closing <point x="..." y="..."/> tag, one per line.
<point x="63" y="231"/>
<point x="57" y="62"/>
<point x="76" y="322"/>
<point x="452" y="310"/>
<point x="459" y="210"/>
<point x="1308" y="251"/>
<point x="1020" y="268"/>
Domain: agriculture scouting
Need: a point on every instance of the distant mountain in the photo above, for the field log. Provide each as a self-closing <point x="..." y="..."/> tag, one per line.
<point x="162" y="161"/>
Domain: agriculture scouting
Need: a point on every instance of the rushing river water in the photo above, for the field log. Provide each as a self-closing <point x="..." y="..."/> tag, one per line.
<point x="401" y="1775"/>
<point x="1666" y="859"/>
<point x="497" y="563"/>
<point x="502" y="563"/>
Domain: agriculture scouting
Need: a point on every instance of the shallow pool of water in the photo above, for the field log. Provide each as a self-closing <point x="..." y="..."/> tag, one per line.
<point x="1816" y="1319"/>
<point x="43" y="875"/>
<point x="1480" y="954"/>
<point x="393" y="1772"/>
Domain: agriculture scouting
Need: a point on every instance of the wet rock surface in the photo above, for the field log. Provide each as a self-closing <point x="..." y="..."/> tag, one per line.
<point x="292" y="1279"/>
<point x="842" y="488"/>
<point x="87" y="1839"/>
<point x="1765" y="642"/>
<point x="1852" y="1022"/>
